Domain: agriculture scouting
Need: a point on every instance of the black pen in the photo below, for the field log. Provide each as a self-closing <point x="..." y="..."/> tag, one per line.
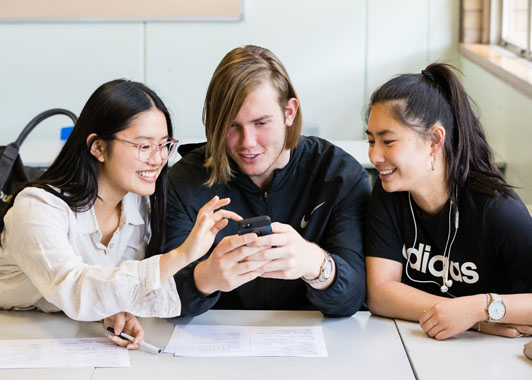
<point x="146" y="346"/>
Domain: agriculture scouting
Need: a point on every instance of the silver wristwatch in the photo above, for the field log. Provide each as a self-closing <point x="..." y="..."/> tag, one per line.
<point x="496" y="308"/>
<point x="326" y="270"/>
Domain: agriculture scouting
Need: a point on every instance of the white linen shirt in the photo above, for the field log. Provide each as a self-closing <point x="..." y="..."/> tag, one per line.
<point x="51" y="258"/>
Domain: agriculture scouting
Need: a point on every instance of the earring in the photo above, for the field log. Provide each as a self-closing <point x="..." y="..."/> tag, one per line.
<point x="432" y="162"/>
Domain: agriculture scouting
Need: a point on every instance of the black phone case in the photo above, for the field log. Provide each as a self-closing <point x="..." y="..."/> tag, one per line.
<point x="261" y="225"/>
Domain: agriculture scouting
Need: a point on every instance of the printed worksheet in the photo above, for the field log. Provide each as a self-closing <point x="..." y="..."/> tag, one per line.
<point x="72" y="352"/>
<point x="218" y="341"/>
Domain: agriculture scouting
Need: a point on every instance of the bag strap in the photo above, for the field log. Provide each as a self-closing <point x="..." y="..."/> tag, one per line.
<point x="40" y="117"/>
<point x="10" y="153"/>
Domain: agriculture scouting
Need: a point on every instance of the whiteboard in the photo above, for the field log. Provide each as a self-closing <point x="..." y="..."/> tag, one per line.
<point x="119" y="10"/>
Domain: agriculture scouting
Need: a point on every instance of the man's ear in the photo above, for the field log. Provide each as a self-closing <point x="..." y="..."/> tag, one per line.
<point x="96" y="146"/>
<point x="290" y="111"/>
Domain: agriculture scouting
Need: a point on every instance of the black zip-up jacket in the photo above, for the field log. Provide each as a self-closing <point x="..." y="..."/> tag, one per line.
<point x="322" y="193"/>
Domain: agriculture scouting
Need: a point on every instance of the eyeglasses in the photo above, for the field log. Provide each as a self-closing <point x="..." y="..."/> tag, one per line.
<point x="147" y="151"/>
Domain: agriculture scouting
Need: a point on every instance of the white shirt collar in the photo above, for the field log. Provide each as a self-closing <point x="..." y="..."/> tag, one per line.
<point x="131" y="214"/>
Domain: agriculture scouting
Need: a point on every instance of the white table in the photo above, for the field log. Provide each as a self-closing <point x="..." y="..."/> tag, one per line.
<point x="37" y="325"/>
<point x="470" y="355"/>
<point x="357" y="149"/>
<point x="42" y="153"/>
<point x="360" y="347"/>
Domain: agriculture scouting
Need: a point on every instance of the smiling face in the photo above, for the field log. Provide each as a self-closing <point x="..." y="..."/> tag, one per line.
<point x="120" y="170"/>
<point x="256" y="138"/>
<point x="401" y="155"/>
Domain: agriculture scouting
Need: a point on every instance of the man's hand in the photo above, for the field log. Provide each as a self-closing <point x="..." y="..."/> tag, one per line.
<point x="227" y="268"/>
<point x="290" y="256"/>
<point x="129" y="324"/>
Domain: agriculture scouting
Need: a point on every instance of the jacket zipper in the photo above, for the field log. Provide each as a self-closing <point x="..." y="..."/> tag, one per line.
<point x="267" y="203"/>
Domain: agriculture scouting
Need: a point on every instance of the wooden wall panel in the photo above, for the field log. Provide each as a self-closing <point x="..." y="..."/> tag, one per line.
<point x="126" y="10"/>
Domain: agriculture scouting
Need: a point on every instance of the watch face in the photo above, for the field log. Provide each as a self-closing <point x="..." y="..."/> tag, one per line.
<point x="496" y="310"/>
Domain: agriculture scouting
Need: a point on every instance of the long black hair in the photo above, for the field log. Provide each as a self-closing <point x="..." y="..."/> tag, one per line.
<point x="73" y="176"/>
<point x="436" y="95"/>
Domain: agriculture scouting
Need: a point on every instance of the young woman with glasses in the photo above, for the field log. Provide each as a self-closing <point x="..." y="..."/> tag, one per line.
<point x="75" y="239"/>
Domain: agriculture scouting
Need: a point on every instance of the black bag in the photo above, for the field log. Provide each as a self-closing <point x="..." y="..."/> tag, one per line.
<point x="13" y="173"/>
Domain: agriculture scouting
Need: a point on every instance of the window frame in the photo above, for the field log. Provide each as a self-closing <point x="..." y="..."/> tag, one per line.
<point x="487" y="51"/>
<point x="517" y="50"/>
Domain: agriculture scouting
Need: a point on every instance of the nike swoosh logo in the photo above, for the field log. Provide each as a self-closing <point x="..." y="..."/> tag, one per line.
<point x="304" y="220"/>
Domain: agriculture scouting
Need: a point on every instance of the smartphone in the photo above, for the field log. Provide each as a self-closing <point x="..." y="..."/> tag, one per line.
<point x="261" y="225"/>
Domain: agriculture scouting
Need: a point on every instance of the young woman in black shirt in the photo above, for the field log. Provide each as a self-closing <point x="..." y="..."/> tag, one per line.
<point x="448" y="240"/>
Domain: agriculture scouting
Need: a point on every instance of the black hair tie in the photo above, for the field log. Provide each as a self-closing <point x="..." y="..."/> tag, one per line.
<point x="428" y="75"/>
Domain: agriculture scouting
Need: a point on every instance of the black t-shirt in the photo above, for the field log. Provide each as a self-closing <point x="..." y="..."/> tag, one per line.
<point x="492" y="250"/>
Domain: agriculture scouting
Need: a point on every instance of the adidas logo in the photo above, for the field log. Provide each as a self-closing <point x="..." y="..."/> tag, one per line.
<point x="421" y="261"/>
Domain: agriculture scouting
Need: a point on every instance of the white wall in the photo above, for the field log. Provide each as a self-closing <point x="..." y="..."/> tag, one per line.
<point x="405" y="36"/>
<point x="336" y="51"/>
<point x="506" y="115"/>
<point x="323" y="52"/>
<point x="47" y="65"/>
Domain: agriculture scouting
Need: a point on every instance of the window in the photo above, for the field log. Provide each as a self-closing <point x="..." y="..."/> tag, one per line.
<point x="515" y="26"/>
<point x="496" y="34"/>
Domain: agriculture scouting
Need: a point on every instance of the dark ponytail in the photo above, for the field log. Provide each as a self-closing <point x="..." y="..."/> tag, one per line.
<point x="419" y="101"/>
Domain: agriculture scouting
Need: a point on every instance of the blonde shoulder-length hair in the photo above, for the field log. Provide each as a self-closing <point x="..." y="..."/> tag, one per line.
<point x="239" y="73"/>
